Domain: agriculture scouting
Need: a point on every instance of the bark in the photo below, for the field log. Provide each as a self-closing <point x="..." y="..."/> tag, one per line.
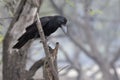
<point x="14" y="61"/>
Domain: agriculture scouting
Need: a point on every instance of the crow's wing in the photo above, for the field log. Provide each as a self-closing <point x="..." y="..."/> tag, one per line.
<point x="32" y="30"/>
<point x="44" y="21"/>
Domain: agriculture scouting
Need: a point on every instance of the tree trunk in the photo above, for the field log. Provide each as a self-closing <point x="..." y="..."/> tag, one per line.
<point x="107" y="70"/>
<point x="14" y="61"/>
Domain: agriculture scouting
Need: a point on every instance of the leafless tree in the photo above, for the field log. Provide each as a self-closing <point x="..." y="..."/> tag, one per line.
<point x="105" y="63"/>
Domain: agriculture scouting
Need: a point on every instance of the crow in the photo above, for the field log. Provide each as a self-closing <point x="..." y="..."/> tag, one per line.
<point x="49" y="24"/>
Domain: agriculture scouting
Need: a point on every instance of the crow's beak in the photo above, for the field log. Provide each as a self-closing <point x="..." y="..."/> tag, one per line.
<point x="64" y="28"/>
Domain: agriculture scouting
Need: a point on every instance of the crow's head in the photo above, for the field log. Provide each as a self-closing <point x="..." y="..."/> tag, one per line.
<point x="62" y="22"/>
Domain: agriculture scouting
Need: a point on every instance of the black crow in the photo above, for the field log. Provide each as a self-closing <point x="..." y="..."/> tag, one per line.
<point x="49" y="24"/>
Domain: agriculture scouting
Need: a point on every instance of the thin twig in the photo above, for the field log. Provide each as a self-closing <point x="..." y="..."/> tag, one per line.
<point x="67" y="66"/>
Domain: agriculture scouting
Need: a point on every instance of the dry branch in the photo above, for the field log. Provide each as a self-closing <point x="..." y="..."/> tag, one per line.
<point x="34" y="68"/>
<point x="47" y="71"/>
<point x="40" y="63"/>
<point x="49" y="58"/>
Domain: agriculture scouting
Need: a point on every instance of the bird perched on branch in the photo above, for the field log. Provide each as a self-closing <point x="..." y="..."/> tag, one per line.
<point x="49" y="24"/>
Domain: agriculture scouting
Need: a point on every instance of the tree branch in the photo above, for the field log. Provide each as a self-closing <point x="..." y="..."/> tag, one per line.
<point x="59" y="10"/>
<point x="47" y="71"/>
<point x="46" y="49"/>
<point x="35" y="67"/>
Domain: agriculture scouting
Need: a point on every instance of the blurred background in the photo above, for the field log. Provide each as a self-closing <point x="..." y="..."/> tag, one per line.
<point x="91" y="48"/>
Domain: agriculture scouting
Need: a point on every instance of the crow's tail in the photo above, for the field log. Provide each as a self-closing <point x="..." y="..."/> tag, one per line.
<point x="21" y="41"/>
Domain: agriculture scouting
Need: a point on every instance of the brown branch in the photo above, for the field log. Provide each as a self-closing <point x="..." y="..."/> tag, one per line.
<point x="47" y="71"/>
<point x="46" y="49"/>
<point x="36" y="66"/>
<point x="41" y="62"/>
<point x="43" y="40"/>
